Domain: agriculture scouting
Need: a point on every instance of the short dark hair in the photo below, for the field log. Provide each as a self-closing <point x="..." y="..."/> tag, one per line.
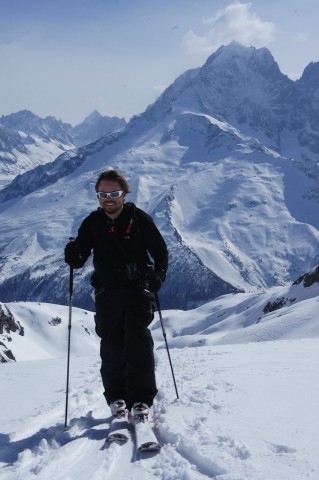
<point x="113" y="176"/>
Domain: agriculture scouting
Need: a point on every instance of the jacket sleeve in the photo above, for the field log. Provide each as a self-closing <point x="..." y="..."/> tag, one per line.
<point x="84" y="240"/>
<point x="155" y="245"/>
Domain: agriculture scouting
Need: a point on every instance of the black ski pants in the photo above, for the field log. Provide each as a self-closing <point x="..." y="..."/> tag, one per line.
<point x="127" y="347"/>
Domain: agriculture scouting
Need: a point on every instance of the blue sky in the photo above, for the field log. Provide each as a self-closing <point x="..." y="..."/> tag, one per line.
<point x="68" y="57"/>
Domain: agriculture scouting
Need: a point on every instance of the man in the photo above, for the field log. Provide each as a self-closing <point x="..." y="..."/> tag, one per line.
<point x="122" y="237"/>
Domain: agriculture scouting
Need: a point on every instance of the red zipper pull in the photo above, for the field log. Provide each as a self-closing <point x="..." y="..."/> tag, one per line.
<point x="129" y="227"/>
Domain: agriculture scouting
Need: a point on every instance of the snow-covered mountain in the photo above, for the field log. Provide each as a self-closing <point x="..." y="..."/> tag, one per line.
<point x="36" y="330"/>
<point x="225" y="161"/>
<point x="246" y="368"/>
<point x="27" y="141"/>
<point x="95" y="126"/>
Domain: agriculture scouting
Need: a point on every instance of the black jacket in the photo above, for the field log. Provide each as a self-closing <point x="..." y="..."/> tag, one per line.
<point x="122" y="247"/>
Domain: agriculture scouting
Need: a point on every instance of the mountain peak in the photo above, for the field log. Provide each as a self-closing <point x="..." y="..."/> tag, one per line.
<point x="93" y="117"/>
<point x="95" y="126"/>
<point x="260" y="59"/>
<point x="310" y="76"/>
<point x="231" y="49"/>
<point x="15" y="120"/>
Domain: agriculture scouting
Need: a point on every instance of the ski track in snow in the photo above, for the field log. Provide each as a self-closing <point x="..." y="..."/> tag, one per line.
<point x="217" y="429"/>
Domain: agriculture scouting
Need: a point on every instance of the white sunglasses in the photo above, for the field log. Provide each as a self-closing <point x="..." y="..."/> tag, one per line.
<point x="115" y="194"/>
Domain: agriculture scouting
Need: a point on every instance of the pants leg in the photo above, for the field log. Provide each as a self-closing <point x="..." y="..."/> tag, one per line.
<point x="109" y="320"/>
<point x="139" y="351"/>
<point x="128" y="368"/>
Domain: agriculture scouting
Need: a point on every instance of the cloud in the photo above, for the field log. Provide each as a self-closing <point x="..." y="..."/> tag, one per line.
<point x="234" y="22"/>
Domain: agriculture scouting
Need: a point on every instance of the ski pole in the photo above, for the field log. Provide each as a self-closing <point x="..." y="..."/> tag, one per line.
<point x="164" y="335"/>
<point x="69" y="344"/>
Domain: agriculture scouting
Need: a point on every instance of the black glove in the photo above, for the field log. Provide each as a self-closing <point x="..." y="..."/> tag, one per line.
<point x="72" y="256"/>
<point x="155" y="280"/>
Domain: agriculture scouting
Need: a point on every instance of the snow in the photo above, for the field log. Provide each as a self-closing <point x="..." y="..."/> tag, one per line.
<point x="38" y="153"/>
<point x="246" y="379"/>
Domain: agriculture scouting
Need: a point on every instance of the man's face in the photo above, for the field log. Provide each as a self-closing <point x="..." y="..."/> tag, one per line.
<point x="111" y="206"/>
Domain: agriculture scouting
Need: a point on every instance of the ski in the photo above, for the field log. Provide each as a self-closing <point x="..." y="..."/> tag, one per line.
<point x="146" y="440"/>
<point x="118" y="431"/>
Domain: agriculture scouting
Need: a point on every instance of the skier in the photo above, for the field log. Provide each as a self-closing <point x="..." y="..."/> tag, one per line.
<point x="122" y="237"/>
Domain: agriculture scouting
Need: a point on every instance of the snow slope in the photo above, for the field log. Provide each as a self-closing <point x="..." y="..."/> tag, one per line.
<point x="247" y="382"/>
<point x="38" y="152"/>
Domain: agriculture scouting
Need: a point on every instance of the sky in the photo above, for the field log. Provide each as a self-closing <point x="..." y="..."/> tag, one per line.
<point x="69" y="57"/>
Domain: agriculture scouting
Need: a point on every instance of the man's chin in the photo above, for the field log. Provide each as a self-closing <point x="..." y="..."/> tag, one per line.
<point x="112" y="210"/>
